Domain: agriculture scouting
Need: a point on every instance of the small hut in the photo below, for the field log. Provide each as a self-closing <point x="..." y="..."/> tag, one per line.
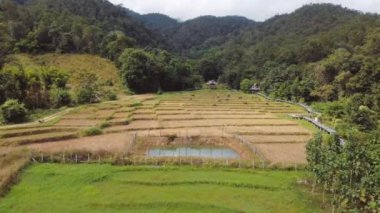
<point x="254" y="89"/>
<point x="212" y="84"/>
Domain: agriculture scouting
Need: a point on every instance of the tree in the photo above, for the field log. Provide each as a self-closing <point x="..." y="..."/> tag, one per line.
<point x="115" y="43"/>
<point x="358" y="113"/>
<point x="210" y="68"/>
<point x="13" y="83"/>
<point x="88" y="90"/>
<point x="246" y="84"/>
<point x="140" y="71"/>
<point x="364" y="118"/>
<point x="59" y="97"/>
<point x="13" y="112"/>
<point x="349" y="171"/>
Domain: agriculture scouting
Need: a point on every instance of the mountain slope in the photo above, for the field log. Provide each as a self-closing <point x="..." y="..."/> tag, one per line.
<point x="157" y="22"/>
<point x="72" y="26"/>
<point x="320" y="52"/>
<point x="197" y="31"/>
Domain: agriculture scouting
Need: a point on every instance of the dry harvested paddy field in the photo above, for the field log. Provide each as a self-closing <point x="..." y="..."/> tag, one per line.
<point x="259" y="124"/>
<point x="216" y="128"/>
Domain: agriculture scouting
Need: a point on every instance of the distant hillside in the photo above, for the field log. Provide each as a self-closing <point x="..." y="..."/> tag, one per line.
<point x="199" y="33"/>
<point x="320" y="27"/>
<point x="196" y="32"/>
<point x="71" y="26"/>
<point x="320" y="52"/>
<point x="157" y="22"/>
<point x="74" y="64"/>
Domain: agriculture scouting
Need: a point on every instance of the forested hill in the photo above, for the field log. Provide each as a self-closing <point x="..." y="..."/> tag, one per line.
<point x="320" y="52"/>
<point x="155" y="21"/>
<point x="71" y="26"/>
<point x="327" y="51"/>
<point x="196" y="32"/>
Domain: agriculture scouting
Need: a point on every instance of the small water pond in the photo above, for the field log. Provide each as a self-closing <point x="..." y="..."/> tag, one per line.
<point x="209" y="152"/>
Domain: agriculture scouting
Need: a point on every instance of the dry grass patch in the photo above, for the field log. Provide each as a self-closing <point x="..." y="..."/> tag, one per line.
<point x="119" y="121"/>
<point x="116" y="129"/>
<point x="284" y="153"/>
<point x="110" y="143"/>
<point x="242" y="116"/>
<point x="183" y="132"/>
<point x="104" y="113"/>
<point x="178" y="117"/>
<point x="225" y="122"/>
<point x="74" y="64"/>
<point x="125" y="110"/>
<point x="38" y="138"/>
<point x="148" y="124"/>
<point x="278" y="138"/>
<point x="269" y="130"/>
<point x="34" y="131"/>
<point x="122" y="115"/>
<point x="169" y="112"/>
<point x="12" y="161"/>
<point x="82" y="115"/>
<point x="144" y="111"/>
<point x="144" y="117"/>
<point x="216" y="113"/>
<point x="169" y="108"/>
<point x="77" y="122"/>
<point x="211" y="109"/>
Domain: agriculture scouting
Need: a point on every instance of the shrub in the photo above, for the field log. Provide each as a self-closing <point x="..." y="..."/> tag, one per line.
<point x="13" y="112"/>
<point x="171" y="138"/>
<point x="85" y="96"/>
<point x="112" y="96"/>
<point x="136" y="104"/>
<point x="109" y="83"/>
<point x="159" y="91"/>
<point x="59" y="97"/>
<point x="91" y="131"/>
<point x="104" y="125"/>
<point x="246" y="84"/>
<point x="88" y="90"/>
<point x="364" y="118"/>
<point x="109" y="95"/>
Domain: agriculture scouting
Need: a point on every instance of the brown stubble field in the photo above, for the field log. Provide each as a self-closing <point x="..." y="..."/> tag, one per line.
<point x="201" y="114"/>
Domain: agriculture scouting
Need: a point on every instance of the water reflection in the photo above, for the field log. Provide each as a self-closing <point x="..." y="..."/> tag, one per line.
<point x="193" y="152"/>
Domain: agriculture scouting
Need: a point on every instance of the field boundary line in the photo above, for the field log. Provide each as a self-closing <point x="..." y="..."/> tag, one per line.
<point x="251" y="146"/>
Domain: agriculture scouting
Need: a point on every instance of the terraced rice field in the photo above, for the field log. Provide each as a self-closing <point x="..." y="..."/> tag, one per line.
<point x="256" y="130"/>
<point x="204" y="113"/>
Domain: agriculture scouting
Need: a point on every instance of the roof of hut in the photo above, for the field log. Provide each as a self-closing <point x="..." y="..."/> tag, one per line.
<point x="255" y="88"/>
<point x="212" y="82"/>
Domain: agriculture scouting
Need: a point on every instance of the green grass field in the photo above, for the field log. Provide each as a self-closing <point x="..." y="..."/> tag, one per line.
<point x="106" y="188"/>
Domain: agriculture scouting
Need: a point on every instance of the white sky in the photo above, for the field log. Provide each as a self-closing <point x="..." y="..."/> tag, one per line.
<point x="258" y="10"/>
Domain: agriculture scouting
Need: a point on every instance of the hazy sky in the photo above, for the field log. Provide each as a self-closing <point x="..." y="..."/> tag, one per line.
<point x="258" y="10"/>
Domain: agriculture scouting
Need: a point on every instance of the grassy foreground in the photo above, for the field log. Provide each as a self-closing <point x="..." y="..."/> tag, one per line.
<point x="106" y="188"/>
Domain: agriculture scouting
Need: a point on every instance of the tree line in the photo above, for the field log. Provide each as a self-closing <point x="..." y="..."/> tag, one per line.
<point x="24" y="89"/>
<point x="350" y="173"/>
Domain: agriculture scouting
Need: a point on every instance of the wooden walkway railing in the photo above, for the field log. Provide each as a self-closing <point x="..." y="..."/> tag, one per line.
<point x="317" y="124"/>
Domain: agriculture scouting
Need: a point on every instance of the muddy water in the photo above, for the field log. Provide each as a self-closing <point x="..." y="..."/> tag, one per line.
<point x="193" y="152"/>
